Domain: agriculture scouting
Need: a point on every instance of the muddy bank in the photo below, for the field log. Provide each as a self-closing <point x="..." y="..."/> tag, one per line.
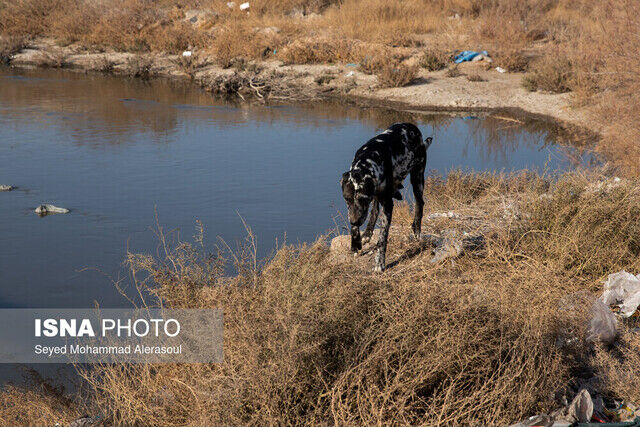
<point x="272" y="80"/>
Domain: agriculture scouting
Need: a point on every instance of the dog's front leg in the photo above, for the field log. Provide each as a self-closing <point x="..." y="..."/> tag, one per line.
<point x="417" y="182"/>
<point x="373" y="218"/>
<point x="356" y="241"/>
<point x="385" y="223"/>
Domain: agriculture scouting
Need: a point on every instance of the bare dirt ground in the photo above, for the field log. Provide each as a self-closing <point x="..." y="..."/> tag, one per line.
<point x="271" y="79"/>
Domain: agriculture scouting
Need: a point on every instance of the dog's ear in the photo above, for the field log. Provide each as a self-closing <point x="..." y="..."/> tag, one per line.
<point x="428" y="141"/>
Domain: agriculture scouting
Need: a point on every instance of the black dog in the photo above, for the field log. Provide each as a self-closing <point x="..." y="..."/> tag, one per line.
<point x="376" y="176"/>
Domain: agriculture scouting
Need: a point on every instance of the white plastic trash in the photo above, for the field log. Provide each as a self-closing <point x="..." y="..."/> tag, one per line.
<point x="603" y="325"/>
<point x="186" y="53"/>
<point x="231" y="4"/>
<point x="501" y="70"/>
<point x="244" y="6"/>
<point x="622" y="289"/>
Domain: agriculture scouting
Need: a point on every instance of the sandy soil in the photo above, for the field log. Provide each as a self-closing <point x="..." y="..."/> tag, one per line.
<point x="431" y="91"/>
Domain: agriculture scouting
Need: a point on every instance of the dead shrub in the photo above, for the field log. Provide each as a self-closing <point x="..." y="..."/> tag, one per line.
<point x="475" y="78"/>
<point x="396" y="75"/>
<point x="103" y="64"/>
<point x="317" y="51"/>
<point x="372" y="65"/>
<point x="453" y="71"/>
<point x="9" y="46"/>
<point x="620" y="369"/>
<point x="40" y="404"/>
<point x="140" y="66"/>
<point x="434" y="60"/>
<point x="190" y="64"/>
<point x="513" y="61"/>
<point x="240" y="41"/>
<point x="552" y="73"/>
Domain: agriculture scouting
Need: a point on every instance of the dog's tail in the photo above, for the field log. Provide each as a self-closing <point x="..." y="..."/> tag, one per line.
<point x="428" y="141"/>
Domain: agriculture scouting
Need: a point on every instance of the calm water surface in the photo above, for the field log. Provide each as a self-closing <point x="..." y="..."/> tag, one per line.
<point x="120" y="152"/>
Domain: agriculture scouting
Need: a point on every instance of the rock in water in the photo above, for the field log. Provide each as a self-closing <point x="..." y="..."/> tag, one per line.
<point x="6" y="188"/>
<point x="43" y="210"/>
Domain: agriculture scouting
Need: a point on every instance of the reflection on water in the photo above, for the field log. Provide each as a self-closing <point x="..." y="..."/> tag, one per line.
<point x="119" y="152"/>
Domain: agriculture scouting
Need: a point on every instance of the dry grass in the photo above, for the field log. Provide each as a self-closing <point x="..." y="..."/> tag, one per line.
<point x="311" y="340"/>
<point x="475" y="78"/>
<point x="434" y="60"/>
<point x="453" y="71"/>
<point x="9" y="46"/>
<point x="103" y="65"/>
<point x="140" y="67"/>
<point x="512" y="60"/>
<point x="396" y="74"/>
<point x="551" y="74"/>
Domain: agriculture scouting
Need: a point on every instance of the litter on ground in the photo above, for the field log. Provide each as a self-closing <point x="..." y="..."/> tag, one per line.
<point x="586" y="411"/>
<point x="622" y="290"/>
<point x="471" y="55"/>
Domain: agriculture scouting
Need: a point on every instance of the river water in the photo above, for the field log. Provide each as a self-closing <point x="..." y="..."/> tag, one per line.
<point x="126" y="155"/>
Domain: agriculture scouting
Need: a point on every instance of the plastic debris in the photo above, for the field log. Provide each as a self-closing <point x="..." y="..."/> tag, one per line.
<point x="622" y="290"/>
<point x="187" y="53"/>
<point x="350" y="74"/>
<point x="452" y="244"/>
<point x="231" y="4"/>
<point x="623" y="412"/>
<point x="482" y="57"/>
<point x="536" y="420"/>
<point x="449" y="214"/>
<point x="501" y="70"/>
<point x="581" y="408"/>
<point x="579" y="411"/>
<point x="6" y="188"/>
<point x="603" y="325"/>
<point x="46" y="209"/>
<point x="86" y="420"/>
<point x="244" y="6"/>
<point x="604" y="186"/>
<point x="469" y="55"/>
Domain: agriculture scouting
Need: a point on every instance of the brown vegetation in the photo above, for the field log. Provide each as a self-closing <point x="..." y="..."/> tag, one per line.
<point x="550" y="73"/>
<point x="396" y="75"/>
<point x="309" y="339"/>
<point x="10" y="46"/>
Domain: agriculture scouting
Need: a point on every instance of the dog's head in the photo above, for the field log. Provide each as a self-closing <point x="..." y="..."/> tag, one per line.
<point x="357" y="190"/>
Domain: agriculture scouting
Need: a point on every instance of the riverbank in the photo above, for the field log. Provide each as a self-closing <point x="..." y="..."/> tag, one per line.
<point x="584" y="52"/>
<point x="272" y="80"/>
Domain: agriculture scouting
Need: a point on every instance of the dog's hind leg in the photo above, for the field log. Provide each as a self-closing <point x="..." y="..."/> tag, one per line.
<point x="417" y="182"/>
<point x="385" y="223"/>
<point x="373" y="218"/>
